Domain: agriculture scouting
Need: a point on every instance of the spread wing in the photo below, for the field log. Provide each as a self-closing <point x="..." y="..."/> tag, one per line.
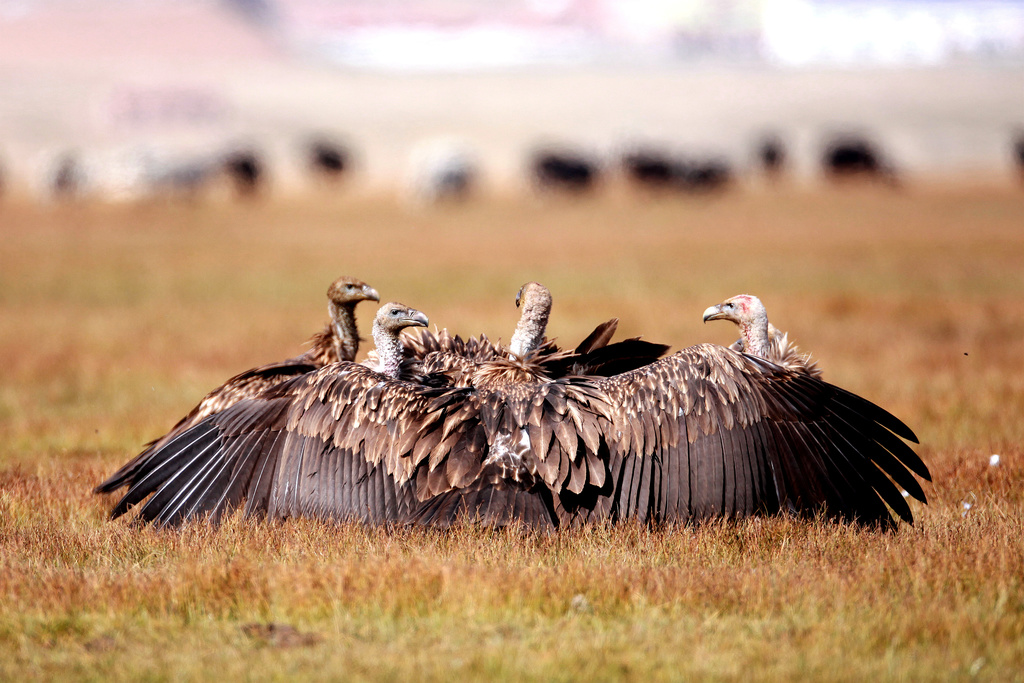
<point x="334" y="443"/>
<point x="242" y="386"/>
<point x="708" y="433"/>
<point x="596" y="355"/>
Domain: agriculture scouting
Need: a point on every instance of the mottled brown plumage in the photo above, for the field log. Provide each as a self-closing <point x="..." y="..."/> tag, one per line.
<point x="530" y="357"/>
<point x="339" y="340"/>
<point x="758" y="336"/>
<point x="705" y="433"/>
<point x="322" y="444"/>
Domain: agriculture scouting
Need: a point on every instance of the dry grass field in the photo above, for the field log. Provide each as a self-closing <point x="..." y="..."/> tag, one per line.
<point x="117" y="319"/>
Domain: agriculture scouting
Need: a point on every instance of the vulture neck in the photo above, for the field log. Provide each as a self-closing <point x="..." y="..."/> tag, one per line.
<point x="530" y="329"/>
<point x="344" y="332"/>
<point x="389" y="350"/>
<point x="755" y="336"/>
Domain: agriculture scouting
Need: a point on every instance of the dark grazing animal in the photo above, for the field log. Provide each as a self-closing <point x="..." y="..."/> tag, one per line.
<point x="771" y="156"/>
<point x="654" y="169"/>
<point x="651" y="168"/>
<point x="853" y="156"/>
<point x="1018" y="153"/>
<point x="246" y="171"/>
<point x="328" y="159"/>
<point x="563" y="170"/>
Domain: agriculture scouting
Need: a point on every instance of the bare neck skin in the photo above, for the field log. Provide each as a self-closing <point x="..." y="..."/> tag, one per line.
<point x="533" y="322"/>
<point x="389" y="350"/>
<point x="754" y="333"/>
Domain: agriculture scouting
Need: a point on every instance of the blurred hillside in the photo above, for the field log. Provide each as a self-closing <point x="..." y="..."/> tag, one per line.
<point x="107" y="77"/>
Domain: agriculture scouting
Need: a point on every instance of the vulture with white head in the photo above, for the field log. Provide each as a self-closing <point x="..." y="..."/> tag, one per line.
<point x="310" y="446"/>
<point x="758" y="337"/>
<point x="531" y="354"/>
<point x="339" y="340"/>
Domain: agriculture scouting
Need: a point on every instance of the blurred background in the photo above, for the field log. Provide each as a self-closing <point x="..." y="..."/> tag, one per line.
<point x="438" y="99"/>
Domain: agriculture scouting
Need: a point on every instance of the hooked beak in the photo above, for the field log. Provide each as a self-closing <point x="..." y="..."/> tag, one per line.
<point x="370" y="293"/>
<point x="417" y="319"/>
<point x="713" y="313"/>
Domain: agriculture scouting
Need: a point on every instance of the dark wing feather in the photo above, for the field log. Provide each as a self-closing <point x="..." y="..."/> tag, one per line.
<point x="245" y="385"/>
<point x="756" y="438"/>
<point x="280" y="452"/>
<point x="599" y="338"/>
<point x="495" y="503"/>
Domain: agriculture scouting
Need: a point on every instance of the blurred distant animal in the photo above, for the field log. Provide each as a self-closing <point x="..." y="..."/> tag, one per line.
<point x="705" y="175"/>
<point x="245" y="169"/>
<point x="854" y="156"/>
<point x="67" y="178"/>
<point x="651" y="168"/>
<point x="441" y="169"/>
<point x="186" y="177"/>
<point x="771" y="156"/>
<point x="1018" y="153"/>
<point x="563" y="170"/>
<point x="654" y="169"/>
<point x="328" y="159"/>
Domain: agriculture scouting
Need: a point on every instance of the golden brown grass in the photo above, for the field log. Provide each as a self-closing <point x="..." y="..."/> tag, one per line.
<point x="117" y="319"/>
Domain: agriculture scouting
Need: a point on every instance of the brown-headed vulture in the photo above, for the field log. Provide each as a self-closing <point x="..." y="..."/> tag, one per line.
<point x="339" y="340"/>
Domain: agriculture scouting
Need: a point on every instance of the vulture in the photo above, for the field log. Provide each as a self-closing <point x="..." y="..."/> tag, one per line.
<point x="706" y="433"/>
<point x="532" y="355"/>
<point x="339" y="340"/>
<point x="258" y="450"/>
<point x="758" y="337"/>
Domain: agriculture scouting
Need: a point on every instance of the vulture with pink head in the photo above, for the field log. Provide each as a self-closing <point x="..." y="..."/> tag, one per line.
<point x="758" y="337"/>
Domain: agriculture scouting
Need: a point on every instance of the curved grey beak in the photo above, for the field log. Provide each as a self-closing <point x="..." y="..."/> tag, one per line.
<point x="417" y="319"/>
<point x="370" y="293"/>
<point x="712" y="312"/>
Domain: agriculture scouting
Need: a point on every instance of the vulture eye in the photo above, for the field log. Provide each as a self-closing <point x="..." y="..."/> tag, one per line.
<point x="350" y="287"/>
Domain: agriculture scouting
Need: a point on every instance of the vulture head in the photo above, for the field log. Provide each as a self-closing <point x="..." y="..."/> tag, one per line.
<point x="391" y="319"/>
<point x="394" y="317"/>
<point x="750" y="315"/>
<point x="535" y="301"/>
<point x="342" y="336"/>
<point x="348" y="291"/>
